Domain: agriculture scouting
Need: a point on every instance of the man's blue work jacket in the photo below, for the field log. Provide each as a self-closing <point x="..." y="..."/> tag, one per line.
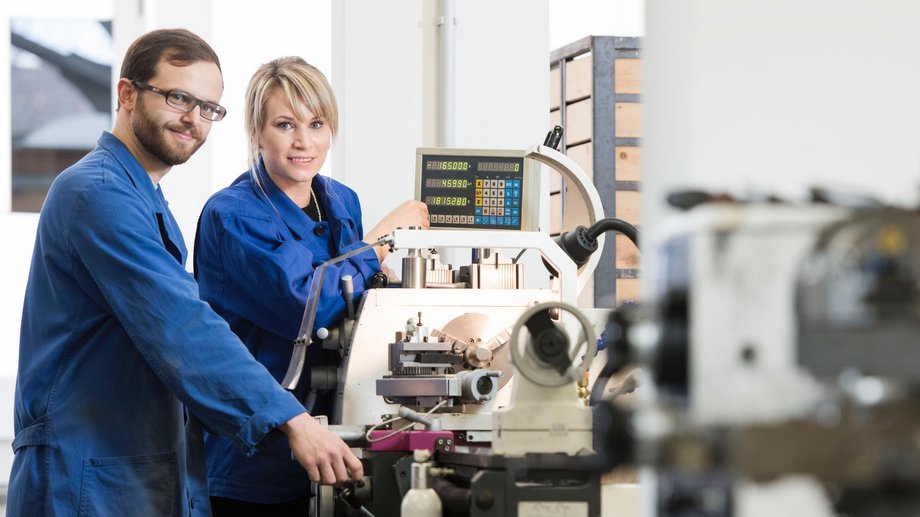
<point x="255" y="254"/>
<point x="114" y="341"/>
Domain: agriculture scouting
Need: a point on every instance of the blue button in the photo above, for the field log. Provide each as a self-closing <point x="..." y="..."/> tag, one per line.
<point x="517" y="202"/>
<point x="478" y="210"/>
<point x="491" y="219"/>
<point x="478" y="219"/>
<point x="508" y="202"/>
<point x="514" y="211"/>
<point x="507" y="221"/>
<point x="508" y="192"/>
<point x="514" y="221"/>
<point x="517" y="193"/>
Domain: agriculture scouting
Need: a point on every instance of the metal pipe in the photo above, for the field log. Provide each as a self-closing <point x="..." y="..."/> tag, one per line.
<point x="447" y="76"/>
<point x="414" y="270"/>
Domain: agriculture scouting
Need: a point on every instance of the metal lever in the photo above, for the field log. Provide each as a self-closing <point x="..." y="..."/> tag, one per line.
<point x="348" y="292"/>
<point x="554" y="137"/>
<point x="299" y="355"/>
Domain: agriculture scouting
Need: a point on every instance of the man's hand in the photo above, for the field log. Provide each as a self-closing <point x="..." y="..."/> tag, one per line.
<point x="324" y="455"/>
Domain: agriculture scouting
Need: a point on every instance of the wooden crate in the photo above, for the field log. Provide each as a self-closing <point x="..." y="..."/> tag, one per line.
<point x="627" y="290"/>
<point x="594" y="93"/>
<point x="626" y="78"/>
<point x="582" y="155"/>
<point x="577" y="82"/>
<point x="628" y="163"/>
<point x="628" y="120"/>
<point x="578" y="79"/>
<point x="627" y="253"/>
<point x="579" y="129"/>
<point x="628" y="206"/>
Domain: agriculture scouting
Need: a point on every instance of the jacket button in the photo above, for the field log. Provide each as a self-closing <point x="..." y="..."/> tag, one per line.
<point x="319" y="230"/>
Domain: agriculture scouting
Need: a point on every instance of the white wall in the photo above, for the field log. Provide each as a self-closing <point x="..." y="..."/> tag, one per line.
<point x="571" y="20"/>
<point x="377" y="76"/>
<point x="18" y="232"/>
<point x="385" y="71"/>
<point x="502" y="80"/>
<point x="385" y="74"/>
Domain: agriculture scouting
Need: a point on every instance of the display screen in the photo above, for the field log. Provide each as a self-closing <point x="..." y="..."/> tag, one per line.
<point x="473" y="191"/>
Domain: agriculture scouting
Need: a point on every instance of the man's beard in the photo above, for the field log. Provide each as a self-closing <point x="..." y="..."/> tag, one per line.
<point x="156" y="142"/>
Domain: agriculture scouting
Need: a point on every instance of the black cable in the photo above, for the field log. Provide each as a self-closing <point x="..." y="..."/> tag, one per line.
<point x="580" y="243"/>
<point x="613" y="223"/>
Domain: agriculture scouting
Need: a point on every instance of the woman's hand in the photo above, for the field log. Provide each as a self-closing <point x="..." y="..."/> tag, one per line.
<point x="410" y="213"/>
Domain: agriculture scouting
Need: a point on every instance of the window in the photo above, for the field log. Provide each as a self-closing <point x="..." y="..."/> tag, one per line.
<point x="61" y="90"/>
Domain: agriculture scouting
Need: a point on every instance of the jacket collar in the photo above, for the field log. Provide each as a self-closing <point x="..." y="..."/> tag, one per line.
<point x="129" y="163"/>
<point x="151" y="193"/>
<point x="300" y="224"/>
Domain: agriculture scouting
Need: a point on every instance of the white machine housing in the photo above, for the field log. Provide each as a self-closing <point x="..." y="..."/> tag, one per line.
<point x="739" y="264"/>
<point x="384" y="312"/>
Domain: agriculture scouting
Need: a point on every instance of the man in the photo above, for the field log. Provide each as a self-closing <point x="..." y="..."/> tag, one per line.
<point x="114" y="337"/>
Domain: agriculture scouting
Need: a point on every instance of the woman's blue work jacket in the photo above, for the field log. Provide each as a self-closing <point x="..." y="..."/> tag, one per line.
<point x="114" y="341"/>
<point x="255" y="254"/>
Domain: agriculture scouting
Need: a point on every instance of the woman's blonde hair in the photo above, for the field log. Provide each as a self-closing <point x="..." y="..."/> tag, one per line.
<point x="305" y="88"/>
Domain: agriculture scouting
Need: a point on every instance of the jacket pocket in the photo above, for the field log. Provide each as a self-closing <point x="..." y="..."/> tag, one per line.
<point x="130" y="485"/>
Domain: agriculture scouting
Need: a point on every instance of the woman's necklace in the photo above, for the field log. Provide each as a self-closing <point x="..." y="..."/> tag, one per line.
<point x="319" y="214"/>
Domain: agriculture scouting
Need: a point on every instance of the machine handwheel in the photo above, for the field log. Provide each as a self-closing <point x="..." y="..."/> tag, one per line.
<point x="548" y="357"/>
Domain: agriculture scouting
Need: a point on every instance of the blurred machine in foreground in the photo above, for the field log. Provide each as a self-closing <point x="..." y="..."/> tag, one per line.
<point x="783" y="343"/>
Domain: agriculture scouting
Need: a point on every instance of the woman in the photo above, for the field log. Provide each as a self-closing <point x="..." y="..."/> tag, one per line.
<point x="257" y="245"/>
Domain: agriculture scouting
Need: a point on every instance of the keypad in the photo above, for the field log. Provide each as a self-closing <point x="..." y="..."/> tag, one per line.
<point x="497" y="202"/>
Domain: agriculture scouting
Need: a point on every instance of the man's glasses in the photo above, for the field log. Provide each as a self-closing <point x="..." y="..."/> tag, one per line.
<point x="185" y="102"/>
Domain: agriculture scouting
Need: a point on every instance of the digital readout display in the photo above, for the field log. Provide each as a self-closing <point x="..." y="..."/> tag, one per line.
<point x="473" y="192"/>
